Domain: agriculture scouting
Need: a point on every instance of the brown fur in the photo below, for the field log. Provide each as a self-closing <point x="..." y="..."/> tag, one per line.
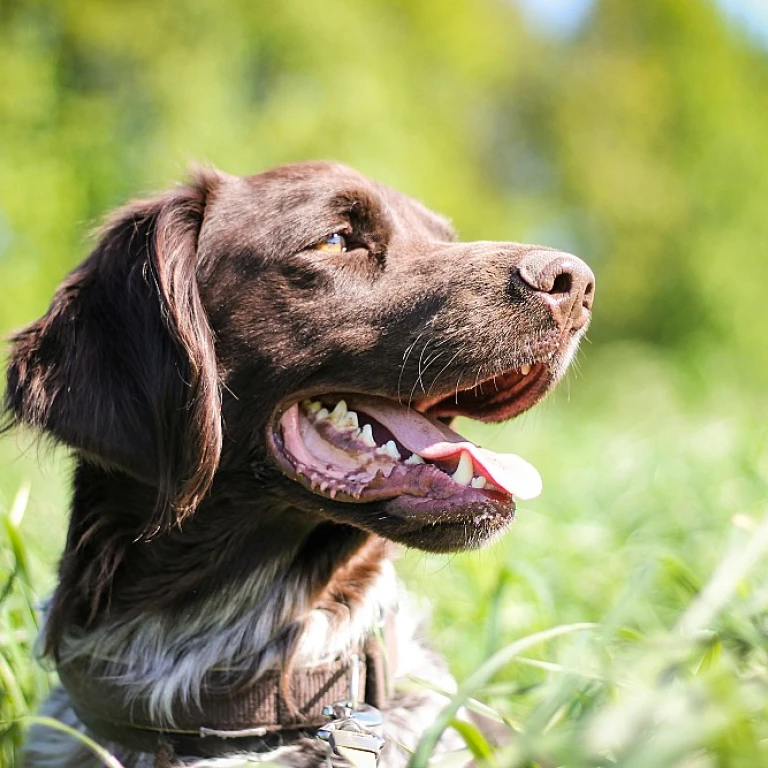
<point x="166" y="354"/>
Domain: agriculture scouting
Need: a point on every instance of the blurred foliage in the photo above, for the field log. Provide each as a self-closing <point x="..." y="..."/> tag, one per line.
<point x="639" y="142"/>
<point x="654" y="526"/>
<point x="21" y="684"/>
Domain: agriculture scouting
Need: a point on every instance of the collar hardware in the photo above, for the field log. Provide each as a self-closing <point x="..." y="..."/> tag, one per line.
<point x="354" y="735"/>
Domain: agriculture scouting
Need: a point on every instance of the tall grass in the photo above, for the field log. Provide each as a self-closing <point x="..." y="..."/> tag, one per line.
<point x="622" y="622"/>
<point x="653" y="526"/>
<point x="22" y="683"/>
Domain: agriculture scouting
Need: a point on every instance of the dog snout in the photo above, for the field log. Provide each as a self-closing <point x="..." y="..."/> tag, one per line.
<point x="563" y="281"/>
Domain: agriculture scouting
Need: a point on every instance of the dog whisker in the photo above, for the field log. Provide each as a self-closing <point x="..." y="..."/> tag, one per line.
<point x="442" y="370"/>
<point x="406" y="355"/>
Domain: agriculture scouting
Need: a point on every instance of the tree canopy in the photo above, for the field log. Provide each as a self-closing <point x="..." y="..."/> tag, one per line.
<point x="638" y="142"/>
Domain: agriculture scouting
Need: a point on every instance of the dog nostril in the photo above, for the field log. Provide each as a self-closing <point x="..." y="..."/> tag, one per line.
<point x="562" y="281"/>
<point x="562" y="284"/>
<point x="589" y="293"/>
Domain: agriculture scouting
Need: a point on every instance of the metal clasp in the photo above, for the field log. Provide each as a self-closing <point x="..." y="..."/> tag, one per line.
<point x="354" y="733"/>
<point x="364" y="715"/>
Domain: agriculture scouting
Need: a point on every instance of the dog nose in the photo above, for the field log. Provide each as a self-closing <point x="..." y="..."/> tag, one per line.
<point x="566" y="282"/>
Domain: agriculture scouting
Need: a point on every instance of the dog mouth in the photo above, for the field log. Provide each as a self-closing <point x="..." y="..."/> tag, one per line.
<point x="352" y="447"/>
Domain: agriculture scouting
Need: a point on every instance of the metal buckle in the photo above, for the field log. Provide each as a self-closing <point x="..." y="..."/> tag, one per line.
<point x="365" y="716"/>
<point x="352" y="733"/>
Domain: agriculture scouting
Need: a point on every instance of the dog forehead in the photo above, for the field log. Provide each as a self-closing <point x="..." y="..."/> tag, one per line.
<point x="312" y="193"/>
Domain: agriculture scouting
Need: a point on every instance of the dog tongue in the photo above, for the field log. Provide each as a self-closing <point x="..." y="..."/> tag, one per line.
<point x="434" y="441"/>
<point x="507" y="470"/>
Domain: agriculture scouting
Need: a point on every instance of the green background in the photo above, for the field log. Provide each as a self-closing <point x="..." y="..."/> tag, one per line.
<point x="637" y="140"/>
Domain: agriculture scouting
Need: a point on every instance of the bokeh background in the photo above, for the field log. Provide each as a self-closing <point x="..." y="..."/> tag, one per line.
<point x="634" y="134"/>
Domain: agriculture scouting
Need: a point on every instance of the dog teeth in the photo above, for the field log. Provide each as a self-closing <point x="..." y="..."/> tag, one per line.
<point x="525" y="369"/>
<point x="389" y="449"/>
<point x="414" y="458"/>
<point x="479" y="482"/>
<point x="366" y="435"/>
<point x="349" y="421"/>
<point x="465" y="470"/>
<point x="341" y="417"/>
<point x="338" y="413"/>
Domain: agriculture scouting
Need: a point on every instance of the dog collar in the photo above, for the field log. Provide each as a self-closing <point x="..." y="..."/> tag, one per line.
<point x="258" y="717"/>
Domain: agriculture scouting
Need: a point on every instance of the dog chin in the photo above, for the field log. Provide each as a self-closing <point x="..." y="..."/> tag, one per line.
<point x="442" y="526"/>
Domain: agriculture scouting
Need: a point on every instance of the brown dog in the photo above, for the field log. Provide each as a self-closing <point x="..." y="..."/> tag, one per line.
<point x="256" y="376"/>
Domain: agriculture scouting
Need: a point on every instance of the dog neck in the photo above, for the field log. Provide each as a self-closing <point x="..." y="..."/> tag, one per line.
<point x="245" y="586"/>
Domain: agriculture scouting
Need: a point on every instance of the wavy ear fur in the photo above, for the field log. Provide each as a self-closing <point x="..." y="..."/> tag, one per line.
<point x="122" y="366"/>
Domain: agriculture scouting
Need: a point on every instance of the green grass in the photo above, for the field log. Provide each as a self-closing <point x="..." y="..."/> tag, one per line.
<point x="623" y="619"/>
<point x="22" y="683"/>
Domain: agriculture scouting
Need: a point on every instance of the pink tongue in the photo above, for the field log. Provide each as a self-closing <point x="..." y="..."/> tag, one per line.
<point x="507" y="470"/>
<point x="433" y="440"/>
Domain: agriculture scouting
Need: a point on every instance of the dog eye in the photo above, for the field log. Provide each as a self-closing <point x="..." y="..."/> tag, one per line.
<point x="335" y="243"/>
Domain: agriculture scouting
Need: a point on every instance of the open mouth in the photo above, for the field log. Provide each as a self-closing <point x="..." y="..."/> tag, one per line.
<point x="353" y="447"/>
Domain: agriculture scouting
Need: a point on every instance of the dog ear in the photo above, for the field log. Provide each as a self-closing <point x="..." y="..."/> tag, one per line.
<point x="122" y="366"/>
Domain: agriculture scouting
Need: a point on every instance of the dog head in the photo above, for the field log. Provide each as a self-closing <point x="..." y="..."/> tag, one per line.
<point x="314" y="331"/>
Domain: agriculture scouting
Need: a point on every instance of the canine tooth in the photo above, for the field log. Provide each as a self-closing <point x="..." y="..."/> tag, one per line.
<point x="349" y="421"/>
<point x="479" y="482"/>
<point x="463" y="473"/>
<point x="322" y="414"/>
<point x="366" y="435"/>
<point x="312" y="406"/>
<point x="525" y="369"/>
<point x="389" y="449"/>
<point x="338" y="413"/>
<point x="414" y="458"/>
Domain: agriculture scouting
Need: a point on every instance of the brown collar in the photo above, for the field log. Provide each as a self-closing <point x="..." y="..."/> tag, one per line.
<point x="254" y="717"/>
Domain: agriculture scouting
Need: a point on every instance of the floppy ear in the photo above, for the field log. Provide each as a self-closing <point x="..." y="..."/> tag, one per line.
<point x="122" y="366"/>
